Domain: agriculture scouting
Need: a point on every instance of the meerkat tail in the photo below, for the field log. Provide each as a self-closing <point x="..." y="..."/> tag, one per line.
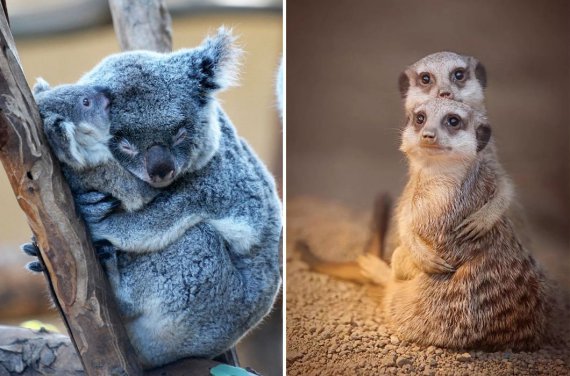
<point x="347" y="271"/>
<point x="380" y="223"/>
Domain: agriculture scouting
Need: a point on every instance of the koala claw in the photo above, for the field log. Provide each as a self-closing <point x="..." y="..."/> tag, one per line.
<point x="31" y="249"/>
<point x="35" y="266"/>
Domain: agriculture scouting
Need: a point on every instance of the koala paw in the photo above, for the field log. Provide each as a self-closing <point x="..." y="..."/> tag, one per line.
<point x="32" y="249"/>
<point x="105" y="250"/>
<point x="95" y="206"/>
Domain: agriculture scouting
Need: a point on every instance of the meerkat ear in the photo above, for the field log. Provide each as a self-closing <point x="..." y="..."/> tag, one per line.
<point x="483" y="135"/>
<point x="404" y="84"/>
<point x="481" y="74"/>
<point x="41" y="85"/>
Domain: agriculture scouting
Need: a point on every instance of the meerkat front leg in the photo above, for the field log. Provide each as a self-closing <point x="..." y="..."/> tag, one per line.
<point x="480" y="222"/>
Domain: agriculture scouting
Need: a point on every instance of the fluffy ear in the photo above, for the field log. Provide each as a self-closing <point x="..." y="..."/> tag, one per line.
<point x="404" y="83"/>
<point x="481" y="74"/>
<point x="41" y="85"/>
<point x="483" y="135"/>
<point x="217" y="60"/>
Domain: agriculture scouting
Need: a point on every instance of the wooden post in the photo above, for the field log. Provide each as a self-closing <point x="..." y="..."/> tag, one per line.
<point x="81" y="291"/>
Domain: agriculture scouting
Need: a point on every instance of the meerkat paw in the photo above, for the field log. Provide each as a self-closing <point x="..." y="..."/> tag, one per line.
<point x="373" y="268"/>
<point x="475" y="226"/>
<point x="431" y="263"/>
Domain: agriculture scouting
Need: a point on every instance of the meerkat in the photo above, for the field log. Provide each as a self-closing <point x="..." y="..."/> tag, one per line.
<point x="460" y="78"/>
<point x="497" y="297"/>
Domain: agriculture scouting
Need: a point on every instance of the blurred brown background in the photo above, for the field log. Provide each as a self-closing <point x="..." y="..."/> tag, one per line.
<point x="61" y="40"/>
<point x="344" y="110"/>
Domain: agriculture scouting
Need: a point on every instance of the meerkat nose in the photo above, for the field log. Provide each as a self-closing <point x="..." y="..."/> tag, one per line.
<point x="428" y="136"/>
<point x="445" y="94"/>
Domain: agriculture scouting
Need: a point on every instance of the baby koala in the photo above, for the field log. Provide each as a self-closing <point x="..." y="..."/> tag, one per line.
<point x="76" y="124"/>
<point x="462" y="79"/>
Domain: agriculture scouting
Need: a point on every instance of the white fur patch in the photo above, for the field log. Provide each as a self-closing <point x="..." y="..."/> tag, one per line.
<point x="237" y="232"/>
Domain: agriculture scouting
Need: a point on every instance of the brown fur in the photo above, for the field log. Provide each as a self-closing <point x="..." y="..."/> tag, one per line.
<point x="497" y="297"/>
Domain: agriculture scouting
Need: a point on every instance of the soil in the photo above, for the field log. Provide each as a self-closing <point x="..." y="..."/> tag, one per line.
<point x="337" y="328"/>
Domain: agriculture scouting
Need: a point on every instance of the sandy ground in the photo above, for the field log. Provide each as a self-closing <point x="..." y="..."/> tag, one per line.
<point x="337" y="328"/>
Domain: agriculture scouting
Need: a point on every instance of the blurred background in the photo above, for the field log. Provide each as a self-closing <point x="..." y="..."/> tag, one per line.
<point x="345" y="112"/>
<point x="62" y="39"/>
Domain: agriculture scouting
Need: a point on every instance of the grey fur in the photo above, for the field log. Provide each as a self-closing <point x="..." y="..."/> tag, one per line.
<point x="214" y="227"/>
<point x="78" y="136"/>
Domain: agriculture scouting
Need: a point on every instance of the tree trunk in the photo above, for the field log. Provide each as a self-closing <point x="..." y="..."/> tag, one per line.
<point x="76" y="279"/>
<point x="142" y="25"/>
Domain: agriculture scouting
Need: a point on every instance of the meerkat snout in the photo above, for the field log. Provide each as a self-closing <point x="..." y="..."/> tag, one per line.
<point x="429" y="137"/>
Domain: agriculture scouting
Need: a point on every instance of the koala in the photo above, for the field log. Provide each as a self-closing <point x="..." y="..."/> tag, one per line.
<point x="76" y="123"/>
<point x="196" y="266"/>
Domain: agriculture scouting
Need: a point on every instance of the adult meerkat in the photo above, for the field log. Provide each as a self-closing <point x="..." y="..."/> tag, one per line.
<point x="463" y="79"/>
<point x="497" y="297"/>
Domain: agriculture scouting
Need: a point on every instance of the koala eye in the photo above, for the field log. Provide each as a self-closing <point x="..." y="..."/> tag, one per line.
<point x="459" y="74"/>
<point x="453" y="121"/>
<point x="180" y="136"/>
<point x="86" y="102"/>
<point x="420" y="118"/>
<point x="127" y="148"/>
<point x="425" y="78"/>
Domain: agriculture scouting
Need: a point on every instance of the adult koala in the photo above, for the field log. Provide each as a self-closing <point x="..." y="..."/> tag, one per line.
<point x="198" y="266"/>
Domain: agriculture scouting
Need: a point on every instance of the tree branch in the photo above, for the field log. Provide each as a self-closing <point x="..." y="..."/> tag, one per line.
<point x="142" y="25"/>
<point x="80" y="288"/>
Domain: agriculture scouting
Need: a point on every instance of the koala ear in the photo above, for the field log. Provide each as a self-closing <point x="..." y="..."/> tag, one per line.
<point x="483" y="135"/>
<point x="404" y="83"/>
<point x="41" y="85"/>
<point x="481" y="74"/>
<point x="217" y="60"/>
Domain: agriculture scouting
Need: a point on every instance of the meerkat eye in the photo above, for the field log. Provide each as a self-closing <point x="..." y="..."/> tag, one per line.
<point x="86" y="102"/>
<point x="425" y="78"/>
<point x="127" y="148"/>
<point x="420" y="118"/>
<point x="459" y="74"/>
<point x="180" y="136"/>
<point x="453" y="121"/>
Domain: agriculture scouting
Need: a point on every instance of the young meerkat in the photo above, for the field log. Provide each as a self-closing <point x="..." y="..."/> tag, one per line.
<point x="463" y="79"/>
<point x="498" y="296"/>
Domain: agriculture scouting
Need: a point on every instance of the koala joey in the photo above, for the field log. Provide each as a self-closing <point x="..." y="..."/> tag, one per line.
<point x="196" y="266"/>
<point x="76" y="123"/>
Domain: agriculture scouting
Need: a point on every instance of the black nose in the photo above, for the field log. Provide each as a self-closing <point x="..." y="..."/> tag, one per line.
<point x="159" y="163"/>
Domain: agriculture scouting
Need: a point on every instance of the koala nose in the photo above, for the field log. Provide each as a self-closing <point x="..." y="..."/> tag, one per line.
<point x="445" y="94"/>
<point x="428" y="137"/>
<point x="159" y="163"/>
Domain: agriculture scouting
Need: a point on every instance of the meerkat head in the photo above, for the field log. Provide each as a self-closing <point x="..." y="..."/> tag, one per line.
<point x="444" y="75"/>
<point x="443" y="131"/>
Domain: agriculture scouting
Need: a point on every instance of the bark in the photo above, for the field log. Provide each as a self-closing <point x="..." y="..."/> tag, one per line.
<point x="80" y="289"/>
<point x="142" y="25"/>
